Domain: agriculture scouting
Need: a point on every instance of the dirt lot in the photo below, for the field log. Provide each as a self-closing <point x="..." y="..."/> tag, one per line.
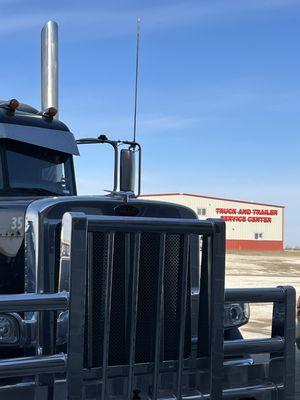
<point x="262" y="270"/>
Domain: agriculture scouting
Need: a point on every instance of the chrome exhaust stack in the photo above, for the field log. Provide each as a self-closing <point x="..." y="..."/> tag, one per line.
<point x="49" y="66"/>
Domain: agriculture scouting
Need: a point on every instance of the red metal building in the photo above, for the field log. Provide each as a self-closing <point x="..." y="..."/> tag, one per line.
<point x="250" y="226"/>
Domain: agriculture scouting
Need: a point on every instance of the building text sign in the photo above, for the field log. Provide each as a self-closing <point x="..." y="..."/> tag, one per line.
<point x="246" y="214"/>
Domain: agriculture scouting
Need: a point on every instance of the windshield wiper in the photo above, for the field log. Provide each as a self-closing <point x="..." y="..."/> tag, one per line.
<point x="36" y="190"/>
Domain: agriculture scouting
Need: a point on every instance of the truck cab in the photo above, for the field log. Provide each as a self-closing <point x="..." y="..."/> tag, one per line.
<point x="36" y="154"/>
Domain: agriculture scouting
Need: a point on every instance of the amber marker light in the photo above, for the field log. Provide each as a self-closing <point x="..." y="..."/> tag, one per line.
<point x="13" y="104"/>
<point x="50" y="112"/>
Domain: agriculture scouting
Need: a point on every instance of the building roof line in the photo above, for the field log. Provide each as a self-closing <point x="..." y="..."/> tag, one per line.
<point x="211" y="197"/>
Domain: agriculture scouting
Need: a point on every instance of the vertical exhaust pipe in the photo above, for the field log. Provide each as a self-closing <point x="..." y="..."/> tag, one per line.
<point x="49" y="66"/>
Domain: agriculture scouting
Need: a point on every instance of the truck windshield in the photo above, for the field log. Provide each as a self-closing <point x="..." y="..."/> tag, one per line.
<point x="35" y="170"/>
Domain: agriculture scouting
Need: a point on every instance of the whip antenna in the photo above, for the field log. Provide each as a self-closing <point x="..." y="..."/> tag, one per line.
<point x="138" y="23"/>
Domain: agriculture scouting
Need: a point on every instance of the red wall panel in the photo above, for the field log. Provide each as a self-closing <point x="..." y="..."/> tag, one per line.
<point x="254" y="245"/>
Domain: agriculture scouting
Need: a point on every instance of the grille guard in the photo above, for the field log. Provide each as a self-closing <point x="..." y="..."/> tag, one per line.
<point x="207" y="360"/>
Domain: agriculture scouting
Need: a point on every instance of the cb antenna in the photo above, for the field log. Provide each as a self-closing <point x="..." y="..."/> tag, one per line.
<point x="138" y="23"/>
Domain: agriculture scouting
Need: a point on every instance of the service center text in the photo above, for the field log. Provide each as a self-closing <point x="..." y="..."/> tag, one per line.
<point x="246" y="215"/>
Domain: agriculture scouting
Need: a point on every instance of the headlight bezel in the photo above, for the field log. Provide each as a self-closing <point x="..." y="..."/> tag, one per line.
<point x="236" y="314"/>
<point x="16" y="324"/>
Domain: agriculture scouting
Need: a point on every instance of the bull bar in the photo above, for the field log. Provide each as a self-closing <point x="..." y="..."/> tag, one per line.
<point x="211" y="348"/>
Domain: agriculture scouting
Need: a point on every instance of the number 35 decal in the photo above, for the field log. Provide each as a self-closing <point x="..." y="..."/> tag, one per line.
<point x="16" y="223"/>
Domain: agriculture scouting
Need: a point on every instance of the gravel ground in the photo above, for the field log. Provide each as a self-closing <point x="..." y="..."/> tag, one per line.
<point x="264" y="270"/>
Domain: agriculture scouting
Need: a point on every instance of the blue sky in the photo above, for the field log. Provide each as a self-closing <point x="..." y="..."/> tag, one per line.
<point x="219" y="103"/>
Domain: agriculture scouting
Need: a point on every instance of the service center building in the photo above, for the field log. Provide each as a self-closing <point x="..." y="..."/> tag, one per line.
<point x="249" y="226"/>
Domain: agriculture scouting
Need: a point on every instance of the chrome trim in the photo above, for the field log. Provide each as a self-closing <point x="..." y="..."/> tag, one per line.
<point x="26" y="366"/>
<point x="33" y="301"/>
<point x="240" y="361"/>
<point x="49" y="66"/>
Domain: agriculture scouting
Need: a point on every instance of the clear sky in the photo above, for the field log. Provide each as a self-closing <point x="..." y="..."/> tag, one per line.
<point x="219" y="103"/>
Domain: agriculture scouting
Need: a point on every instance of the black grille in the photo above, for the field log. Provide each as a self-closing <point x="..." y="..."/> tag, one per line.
<point x="96" y="296"/>
<point x="145" y="333"/>
<point x="172" y="279"/>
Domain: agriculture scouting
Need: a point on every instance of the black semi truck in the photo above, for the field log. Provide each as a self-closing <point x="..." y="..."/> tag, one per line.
<point x="112" y="297"/>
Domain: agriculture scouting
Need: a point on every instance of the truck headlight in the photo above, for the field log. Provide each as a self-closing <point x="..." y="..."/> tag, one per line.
<point x="236" y="314"/>
<point x="9" y="329"/>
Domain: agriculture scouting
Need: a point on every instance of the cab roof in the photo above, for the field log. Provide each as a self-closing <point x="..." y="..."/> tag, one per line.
<point x="25" y="124"/>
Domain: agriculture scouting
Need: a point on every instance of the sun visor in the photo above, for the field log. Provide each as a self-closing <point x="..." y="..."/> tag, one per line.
<point x="54" y="139"/>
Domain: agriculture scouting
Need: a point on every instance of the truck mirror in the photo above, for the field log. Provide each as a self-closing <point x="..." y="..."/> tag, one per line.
<point x="127" y="170"/>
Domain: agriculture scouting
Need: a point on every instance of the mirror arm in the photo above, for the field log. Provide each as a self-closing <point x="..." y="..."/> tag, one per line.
<point x="114" y="144"/>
